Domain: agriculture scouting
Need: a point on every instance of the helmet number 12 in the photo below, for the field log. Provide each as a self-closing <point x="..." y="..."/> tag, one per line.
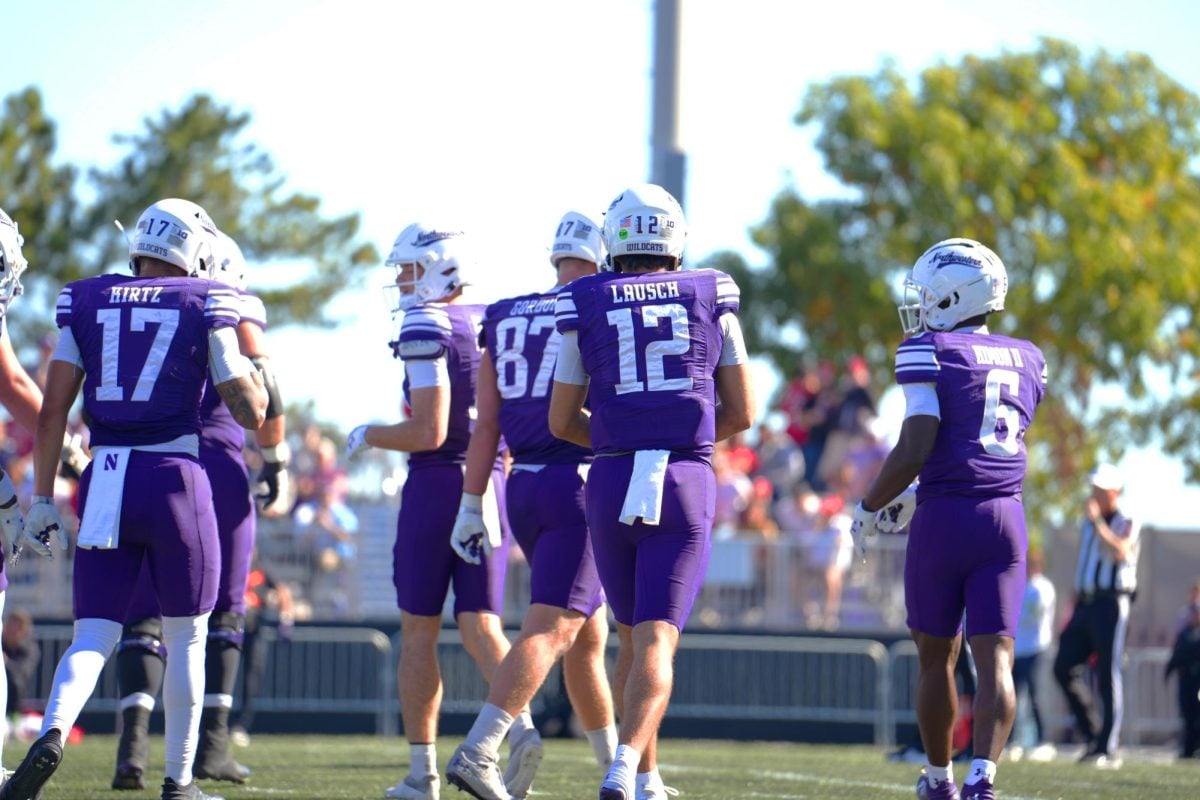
<point x="996" y="411"/>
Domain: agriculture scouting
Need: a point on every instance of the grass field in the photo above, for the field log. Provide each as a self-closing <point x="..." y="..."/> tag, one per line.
<point x="305" y="767"/>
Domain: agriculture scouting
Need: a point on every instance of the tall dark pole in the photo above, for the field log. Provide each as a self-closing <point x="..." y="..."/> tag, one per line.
<point x="667" y="162"/>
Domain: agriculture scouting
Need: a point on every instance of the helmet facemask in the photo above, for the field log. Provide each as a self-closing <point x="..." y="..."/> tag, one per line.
<point x="12" y="262"/>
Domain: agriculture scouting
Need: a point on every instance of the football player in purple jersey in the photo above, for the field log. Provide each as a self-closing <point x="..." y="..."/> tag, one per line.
<point x="438" y="345"/>
<point x="659" y="355"/>
<point x="147" y="345"/>
<point x="970" y="396"/>
<point x="140" y="653"/>
<point x="546" y="511"/>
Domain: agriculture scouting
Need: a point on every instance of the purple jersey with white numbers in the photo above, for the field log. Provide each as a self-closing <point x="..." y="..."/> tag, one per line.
<point x="519" y="335"/>
<point x="445" y="330"/>
<point x="220" y="430"/>
<point x="988" y="388"/>
<point x="144" y="346"/>
<point x="650" y="343"/>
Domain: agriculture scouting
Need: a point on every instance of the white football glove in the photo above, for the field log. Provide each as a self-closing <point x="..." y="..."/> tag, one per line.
<point x="356" y="442"/>
<point x="896" y="515"/>
<point x="12" y="521"/>
<point x="471" y="538"/>
<point x="862" y="528"/>
<point x="45" y="530"/>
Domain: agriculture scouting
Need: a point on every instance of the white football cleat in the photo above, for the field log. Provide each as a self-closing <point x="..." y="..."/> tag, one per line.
<point x="477" y="774"/>
<point x="524" y="757"/>
<point x="427" y="788"/>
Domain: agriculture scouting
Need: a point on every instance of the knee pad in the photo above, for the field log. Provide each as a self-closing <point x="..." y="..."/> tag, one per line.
<point x="144" y="634"/>
<point x="227" y="627"/>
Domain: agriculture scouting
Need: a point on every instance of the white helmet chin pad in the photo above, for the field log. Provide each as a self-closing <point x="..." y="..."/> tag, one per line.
<point x="951" y="282"/>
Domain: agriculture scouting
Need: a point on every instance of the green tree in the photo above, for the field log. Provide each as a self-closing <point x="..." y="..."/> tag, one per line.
<point x="40" y="196"/>
<point x="1078" y="170"/>
<point x="197" y="153"/>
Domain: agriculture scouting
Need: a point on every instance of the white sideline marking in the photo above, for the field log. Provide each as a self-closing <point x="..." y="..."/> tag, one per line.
<point x="805" y="777"/>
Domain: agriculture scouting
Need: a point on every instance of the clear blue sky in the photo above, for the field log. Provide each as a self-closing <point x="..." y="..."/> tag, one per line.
<point x="499" y="116"/>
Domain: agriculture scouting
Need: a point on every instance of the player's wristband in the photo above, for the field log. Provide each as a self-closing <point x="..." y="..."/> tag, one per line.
<point x="277" y="454"/>
<point x="472" y="502"/>
<point x="41" y="498"/>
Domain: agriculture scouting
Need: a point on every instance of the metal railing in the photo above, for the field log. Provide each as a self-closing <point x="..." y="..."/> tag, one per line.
<point x="717" y="677"/>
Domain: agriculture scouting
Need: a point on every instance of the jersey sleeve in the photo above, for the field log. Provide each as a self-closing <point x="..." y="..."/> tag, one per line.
<point x="62" y="312"/>
<point x="253" y="309"/>
<point x="916" y="361"/>
<point x="566" y="316"/>
<point x="425" y="333"/>
<point x="729" y="296"/>
<point x="222" y="309"/>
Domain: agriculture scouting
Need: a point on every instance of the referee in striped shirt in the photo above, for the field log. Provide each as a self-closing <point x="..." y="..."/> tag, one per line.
<point x="1105" y="580"/>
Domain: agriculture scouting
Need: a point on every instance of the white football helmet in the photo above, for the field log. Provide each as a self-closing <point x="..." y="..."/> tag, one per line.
<point x="12" y="261"/>
<point x="644" y="220"/>
<point x="438" y="259"/>
<point x="577" y="237"/>
<point x="178" y="232"/>
<point x="952" y="281"/>
<point x="230" y="266"/>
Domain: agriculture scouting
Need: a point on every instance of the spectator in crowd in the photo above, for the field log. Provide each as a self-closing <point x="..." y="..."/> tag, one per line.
<point x="21" y="657"/>
<point x="829" y="556"/>
<point x="1185" y="660"/>
<point x="1105" y="581"/>
<point x="1035" y="629"/>
<point x="734" y="490"/>
<point x="329" y="529"/>
<point x="268" y="604"/>
<point x="853" y="410"/>
<point x="780" y="460"/>
<point x="741" y="456"/>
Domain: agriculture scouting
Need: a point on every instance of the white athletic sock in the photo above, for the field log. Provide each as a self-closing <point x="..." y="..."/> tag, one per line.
<point x="489" y="729"/>
<point x="78" y="670"/>
<point x="940" y="774"/>
<point x="604" y="744"/>
<point x="3" y="687"/>
<point x="424" y="760"/>
<point x="982" y="769"/>
<point x="183" y="693"/>
<point x="521" y="724"/>
<point x="621" y="775"/>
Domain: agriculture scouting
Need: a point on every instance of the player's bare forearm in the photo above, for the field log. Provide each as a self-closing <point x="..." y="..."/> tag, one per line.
<point x="246" y="398"/>
<point x="1117" y="547"/>
<point x="63" y="380"/>
<point x="904" y="463"/>
<point x="426" y="428"/>
<point x="18" y="391"/>
<point x="485" y="439"/>
<point x="481" y="455"/>
<point x="737" y="400"/>
<point x="567" y="418"/>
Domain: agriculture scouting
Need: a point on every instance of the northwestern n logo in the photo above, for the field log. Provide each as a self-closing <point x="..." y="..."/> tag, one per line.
<point x="110" y="461"/>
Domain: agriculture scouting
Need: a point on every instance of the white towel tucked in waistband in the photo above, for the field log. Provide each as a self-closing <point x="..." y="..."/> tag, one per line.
<point x="644" y="496"/>
<point x="101" y="523"/>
